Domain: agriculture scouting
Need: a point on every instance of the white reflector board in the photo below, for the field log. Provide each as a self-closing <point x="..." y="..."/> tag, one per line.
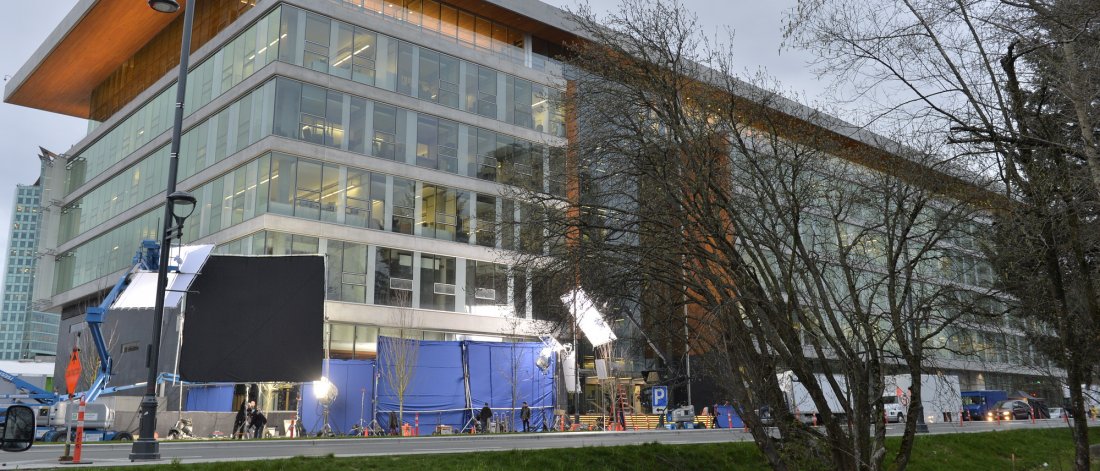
<point x="588" y="318"/>
<point x="569" y="371"/>
<point x="141" y="292"/>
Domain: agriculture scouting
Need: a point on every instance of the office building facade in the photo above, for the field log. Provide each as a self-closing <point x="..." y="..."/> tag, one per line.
<point x="24" y="331"/>
<point x="389" y="136"/>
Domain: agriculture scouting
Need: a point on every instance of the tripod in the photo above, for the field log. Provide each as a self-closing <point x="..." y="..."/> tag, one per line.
<point x="373" y="428"/>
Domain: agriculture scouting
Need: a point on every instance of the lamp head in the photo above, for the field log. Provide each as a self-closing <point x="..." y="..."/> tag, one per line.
<point x="183" y="205"/>
<point x="164" y="6"/>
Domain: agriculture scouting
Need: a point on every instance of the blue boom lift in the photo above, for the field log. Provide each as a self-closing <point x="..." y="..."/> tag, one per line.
<point x="145" y="259"/>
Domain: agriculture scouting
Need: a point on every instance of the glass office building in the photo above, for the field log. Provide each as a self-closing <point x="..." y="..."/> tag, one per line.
<point x="24" y="332"/>
<point x="388" y="135"/>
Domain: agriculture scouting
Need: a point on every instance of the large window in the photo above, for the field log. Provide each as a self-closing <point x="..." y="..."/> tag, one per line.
<point x="481" y="90"/>
<point x="438" y="78"/>
<point x="347" y="265"/>
<point x="437" y="282"/>
<point x="437" y="143"/>
<point x="366" y="199"/>
<point x="393" y="277"/>
<point x="387" y="122"/>
<point x="444" y="213"/>
<point x="317" y="36"/>
<point x="486" y="287"/>
<point x="486" y="220"/>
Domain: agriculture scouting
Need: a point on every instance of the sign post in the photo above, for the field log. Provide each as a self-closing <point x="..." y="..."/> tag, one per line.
<point x="660" y="399"/>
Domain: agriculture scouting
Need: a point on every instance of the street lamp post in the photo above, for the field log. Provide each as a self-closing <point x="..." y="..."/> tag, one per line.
<point x="146" y="447"/>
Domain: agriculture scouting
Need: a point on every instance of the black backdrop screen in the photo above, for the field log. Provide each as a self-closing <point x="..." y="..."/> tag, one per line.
<point x="255" y="319"/>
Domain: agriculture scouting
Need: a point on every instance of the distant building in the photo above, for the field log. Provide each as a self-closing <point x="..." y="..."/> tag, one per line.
<point x="24" y="333"/>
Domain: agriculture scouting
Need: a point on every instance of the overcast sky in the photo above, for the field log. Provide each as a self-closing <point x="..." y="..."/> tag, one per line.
<point x="756" y="24"/>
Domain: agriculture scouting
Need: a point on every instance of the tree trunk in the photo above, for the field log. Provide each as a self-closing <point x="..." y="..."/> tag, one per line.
<point x="1080" y="421"/>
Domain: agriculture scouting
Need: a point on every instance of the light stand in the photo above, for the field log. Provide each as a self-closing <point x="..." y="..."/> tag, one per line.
<point x="325" y="392"/>
<point x="146" y="446"/>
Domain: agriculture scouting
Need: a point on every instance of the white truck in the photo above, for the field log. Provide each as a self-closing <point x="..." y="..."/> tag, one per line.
<point x="798" y="398"/>
<point x="940" y="395"/>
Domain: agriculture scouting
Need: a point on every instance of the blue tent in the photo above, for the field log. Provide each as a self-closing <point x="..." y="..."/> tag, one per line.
<point x="500" y="370"/>
<point x="436" y="392"/>
<point x="728" y="414"/>
<point x="354" y="381"/>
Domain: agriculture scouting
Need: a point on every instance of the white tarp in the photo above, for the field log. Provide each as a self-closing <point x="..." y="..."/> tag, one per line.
<point x="141" y="293"/>
<point x="589" y="319"/>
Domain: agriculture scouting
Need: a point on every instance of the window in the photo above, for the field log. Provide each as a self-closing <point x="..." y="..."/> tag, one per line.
<point x="342" y="52"/>
<point x="357" y="126"/>
<point x="347" y="271"/>
<point x="437" y="282"/>
<point x="444" y="213"/>
<point x="486" y="220"/>
<point x="316" y="196"/>
<point x="312" y="114"/>
<point x="334" y="116"/>
<point x="437" y="143"/>
<point x="385" y="143"/>
<point x="404" y="205"/>
<point x="317" y="34"/>
<point x="357" y="206"/>
<point x="393" y="275"/>
<point x="481" y="90"/>
<point x="404" y="68"/>
<point x="363" y="56"/>
<point x="520" y="98"/>
<point x="486" y="285"/>
<point x="438" y="78"/>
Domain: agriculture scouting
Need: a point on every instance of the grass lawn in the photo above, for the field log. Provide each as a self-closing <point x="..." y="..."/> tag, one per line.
<point x="1044" y="449"/>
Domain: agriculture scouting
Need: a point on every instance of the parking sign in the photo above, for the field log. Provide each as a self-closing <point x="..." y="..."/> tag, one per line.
<point x="660" y="399"/>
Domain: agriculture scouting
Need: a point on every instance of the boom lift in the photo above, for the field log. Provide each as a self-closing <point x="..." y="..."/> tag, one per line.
<point x="146" y="259"/>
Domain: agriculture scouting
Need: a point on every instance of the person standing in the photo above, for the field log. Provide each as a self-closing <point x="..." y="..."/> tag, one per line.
<point x="484" y="416"/>
<point x="525" y="416"/>
<point x="239" y="421"/>
<point x="258" y="421"/>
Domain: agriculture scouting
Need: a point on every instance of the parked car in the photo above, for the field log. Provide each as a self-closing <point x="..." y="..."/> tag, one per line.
<point x="1058" y="413"/>
<point x="1012" y="409"/>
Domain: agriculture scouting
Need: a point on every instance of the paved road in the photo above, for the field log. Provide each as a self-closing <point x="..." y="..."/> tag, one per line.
<point x="112" y="454"/>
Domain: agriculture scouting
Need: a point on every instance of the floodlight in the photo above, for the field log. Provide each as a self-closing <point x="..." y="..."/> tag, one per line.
<point x="324" y="390"/>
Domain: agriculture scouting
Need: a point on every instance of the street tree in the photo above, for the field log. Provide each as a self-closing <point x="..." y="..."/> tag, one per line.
<point x="1010" y="83"/>
<point x="403" y="352"/>
<point x="758" y="234"/>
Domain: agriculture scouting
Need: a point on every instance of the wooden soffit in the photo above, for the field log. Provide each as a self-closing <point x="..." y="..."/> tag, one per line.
<point x="93" y="40"/>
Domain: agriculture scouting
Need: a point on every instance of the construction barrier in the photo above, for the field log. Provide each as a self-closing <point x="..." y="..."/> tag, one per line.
<point x="79" y="431"/>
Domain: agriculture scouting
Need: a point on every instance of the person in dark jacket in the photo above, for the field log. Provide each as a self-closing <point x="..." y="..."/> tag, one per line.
<point x="239" y="421"/>
<point x="484" y="416"/>
<point x="525" y="416"/>
<point x="258" y="421"/>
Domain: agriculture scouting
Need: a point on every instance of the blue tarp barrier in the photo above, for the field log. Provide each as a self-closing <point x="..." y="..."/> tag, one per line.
<point x="355" y="385"/>
<point x="436" y="388"/>
<point x="726" y="414"/>
<point x="209" y="398"/>
<point x="504" y="375"/>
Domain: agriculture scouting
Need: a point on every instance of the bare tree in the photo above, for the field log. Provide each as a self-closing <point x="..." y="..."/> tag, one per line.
<point x="512" y="369"/>
<point x="1013" y="83"/>
<point x="404" y="353"/>
<point x="772" y="236"/>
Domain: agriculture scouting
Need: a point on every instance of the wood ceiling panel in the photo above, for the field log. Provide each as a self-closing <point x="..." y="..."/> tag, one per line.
<point x="110" y="32"/>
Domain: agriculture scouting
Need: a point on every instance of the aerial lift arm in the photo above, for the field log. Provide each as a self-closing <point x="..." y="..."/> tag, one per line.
<point x="147" y="258"/>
